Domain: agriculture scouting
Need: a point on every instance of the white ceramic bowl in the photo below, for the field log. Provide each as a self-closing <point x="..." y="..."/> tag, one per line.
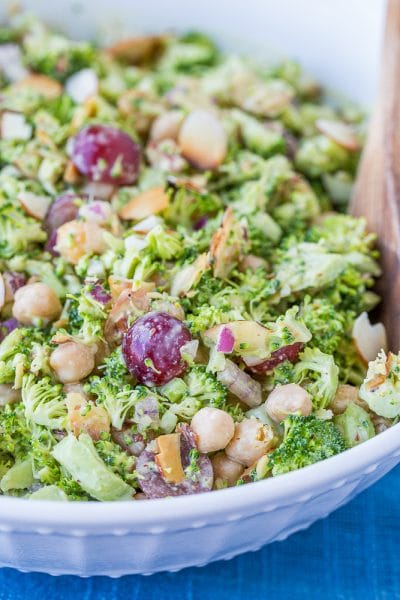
<point x="143" y="537"/>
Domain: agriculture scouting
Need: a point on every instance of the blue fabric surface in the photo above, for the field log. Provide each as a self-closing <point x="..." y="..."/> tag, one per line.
<point x="354" y="554"/>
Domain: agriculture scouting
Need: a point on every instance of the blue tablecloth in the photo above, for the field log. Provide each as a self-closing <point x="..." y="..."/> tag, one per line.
<point x="352" y="555"/>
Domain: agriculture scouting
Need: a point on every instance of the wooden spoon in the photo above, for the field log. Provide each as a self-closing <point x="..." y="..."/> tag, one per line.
<point x="377" y="189"/>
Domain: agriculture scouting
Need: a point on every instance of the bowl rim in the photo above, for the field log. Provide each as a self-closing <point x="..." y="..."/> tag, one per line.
<point x="262" y="496"/>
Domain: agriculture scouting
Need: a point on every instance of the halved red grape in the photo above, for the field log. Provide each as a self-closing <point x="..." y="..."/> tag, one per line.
<point x="106" y="154"/>
<point x="151" y="348"/>
<point x="64" y="208"/>
<point x="290" y="353"/>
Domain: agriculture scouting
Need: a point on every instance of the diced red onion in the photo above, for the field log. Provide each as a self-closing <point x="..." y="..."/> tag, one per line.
<point x="200" y="223"/>
<point x="7" y="327"/>
<point x="100" y="294"/>
<point x="226" y="341"/>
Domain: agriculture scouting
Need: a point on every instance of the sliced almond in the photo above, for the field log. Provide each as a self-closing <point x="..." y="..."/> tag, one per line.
<point x="189" y="276"/>
<point x="2" y="292"/>
<point x="203" y="140"/>
<point x="339" y="132"/>
<point x="34" y="205"/>
<point x="46" y="86"/>
<point x="137" y="49"/>
<point x="150" y="202"/>
<point x="168" y="458"/>
<point x="71" y="173"/>
<point x="118" y="285"/>
<point x="227" y="245"/>
<point x="82" y="85"/>
<point x="369" y="339"/>
<point x="102" y="191"/>
<point x="167" y="126"/>
<point x="14" y="126"/>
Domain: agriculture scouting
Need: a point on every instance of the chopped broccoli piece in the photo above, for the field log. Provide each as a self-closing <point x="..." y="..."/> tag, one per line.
<point x="319" y="374"/>
<point x="355" y="425"/>
<point x="80" y="458"/>
<point x="319" y="154"/>
<point x="19" y="477"/>
<point x="44" y="402"/>
<point x="205" y="387"/>
<point x="306" y="441"/>
<point x="116" y="459"/>
<point x="163" y="244"/>
<point x="326" y="323"/>
<point x="18" y="233"/>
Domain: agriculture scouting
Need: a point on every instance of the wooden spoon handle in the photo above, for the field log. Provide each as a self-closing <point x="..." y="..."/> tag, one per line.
<point x="377" y="190"/>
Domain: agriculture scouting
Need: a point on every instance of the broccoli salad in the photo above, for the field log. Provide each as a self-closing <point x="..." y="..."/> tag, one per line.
<point x="183" y="298"/>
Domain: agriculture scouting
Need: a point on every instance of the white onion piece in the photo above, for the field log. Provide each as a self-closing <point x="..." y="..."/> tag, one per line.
<point x="247" y="389"/>
<point x="14" y="126"/>
<point x="339" y="132"/>
<point x="82" y="85"/>
<point x="203" y="140"/>
<point x="369" y="339"/>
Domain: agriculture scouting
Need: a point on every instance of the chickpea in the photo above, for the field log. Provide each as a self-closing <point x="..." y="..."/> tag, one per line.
<point x="287" y="400"/>
<point x="77" y="238"/>
<point x="36" y="303"/>
<point x="85" y="417"/>
<point x="251" y="440"/>
<point x="213" y="427"/>
<point x="226" y="470"/>
<point x="345" y="394"/>
<point x="72" y="361"/>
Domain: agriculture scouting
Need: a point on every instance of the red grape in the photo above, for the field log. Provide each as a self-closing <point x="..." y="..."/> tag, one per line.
<point x="151" y="348"/>
<point x="153" y="483"/>
<point x="105" y="154"/>
<point x="290" y="353"/>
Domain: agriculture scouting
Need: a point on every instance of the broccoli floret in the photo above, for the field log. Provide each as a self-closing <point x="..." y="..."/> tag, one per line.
<point x="326" y="323"/>
<point x="319" y="375"/>
<point x="163" y="244"/>
<point x="117" y="399"/>
<point x="381" y="387"/>
<point x="307" y="266"/>
<point x="45" y="272"/>
<point x="18" y="350"/>
<point x="186" y="207"/>
<point x="343" y="233"/>
<point x="306" y="441"/>
<point x="259" y="137"/>
<point x="116" y="459"/>
<point x="44" y="402"/>
<point x="203" y="386"/>
<point x="15" y="436"/>
<point x="17" y="231"/>
<point x="319" y="154"/>
<point x="188" y="54"/>
<point x="91" y="313"/>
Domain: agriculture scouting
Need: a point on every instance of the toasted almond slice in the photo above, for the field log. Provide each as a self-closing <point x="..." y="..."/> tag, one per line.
<point x="46" y="86"/>
<point x="82" y="85"/>
<point x="14" y="126"/>
<point x="339" y="132"/>
<point x="369" y="339"/>
<point x="136" y="49"/>
<point x="168" y="458"/>
<point x="34" y="205"/>
<point x="227" y="245"/>
<point x="118" y="285"/>
<point x="167" y="126"/>
<point x="151" y="202"/>
<point x="187" y="277"/>
<point x="71" y="173"/>
<point x="2" y="292"/>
